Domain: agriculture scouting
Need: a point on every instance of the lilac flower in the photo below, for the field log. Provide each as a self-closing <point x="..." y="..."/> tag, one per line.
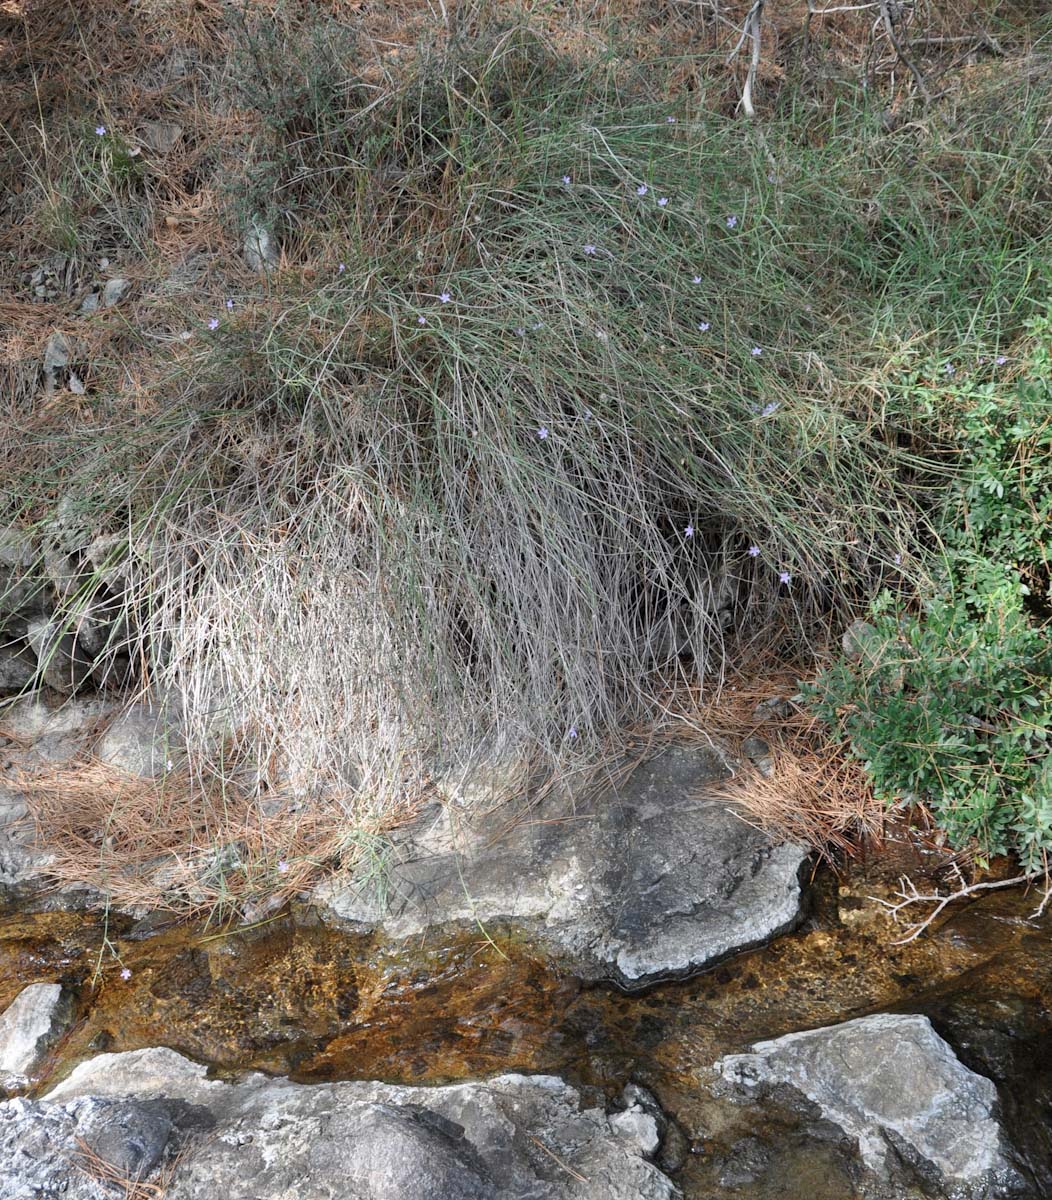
<point x="703" y="326"/>
<point x="769" y="410"/>
<point x="283" y="867"/>
<point x="213" y="323"/>
<point x="572" y="732"/>
<point x="100" y="130"/>
<point x="587" y="414"/>
<point x="520" y="330"/>
<point x="588" y="248"/>
<point x="950" y="369"/>
<point x="542" y="433"/>
<point x="229" y="304"/>
<point x="754" y="551"/>
<point x="341" y="268"/>
<point x="125" y="973"/>
<point x="445" y="297"/>
<point x="421" y="320"/>
<point x="642" y="190"/>
<point x="696" y="279"/>
<point x="689" y="531"/>
<point x="662" y="202"/>
<point x="756" y="351"/>
<point x="566" y="180"/>
<point x="784" y="577"/>
<point x="898" y="560"/>
<point x="1001" y="360"/>
<point x="537" y="325"/>
<point x="732" y="221"/>
<point x="670" y="120"/>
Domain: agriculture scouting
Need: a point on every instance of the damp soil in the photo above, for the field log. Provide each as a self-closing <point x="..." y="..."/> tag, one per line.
<point x="296" y="998"/>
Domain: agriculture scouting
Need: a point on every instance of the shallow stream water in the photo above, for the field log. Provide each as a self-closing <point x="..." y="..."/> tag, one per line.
<point x="295" y="997"/>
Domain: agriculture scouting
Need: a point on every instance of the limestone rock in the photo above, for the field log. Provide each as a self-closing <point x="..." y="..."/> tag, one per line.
<point x="653" y="879"/>
<point x="33" y="1020"/>
<point x="114" y="291"/>
<point x="511" y="1138"/>
<point x="137" y="741"/>
<point x="17" y="671"/>
<point x="61" y="657"/>
<point x="890" y="1082"/>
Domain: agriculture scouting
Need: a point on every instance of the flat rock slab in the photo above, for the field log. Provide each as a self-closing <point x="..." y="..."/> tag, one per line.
<point x="154" y="1116"/>
<point x="653" y="879"/>
<point x="893" y="1084"/>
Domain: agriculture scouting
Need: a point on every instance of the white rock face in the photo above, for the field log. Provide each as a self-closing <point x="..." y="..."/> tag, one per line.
<point x="36" y="1016"/>
<point x="651" y="879"/>
<point x="515" y="1137"/>
<point x="883" y="1079"/>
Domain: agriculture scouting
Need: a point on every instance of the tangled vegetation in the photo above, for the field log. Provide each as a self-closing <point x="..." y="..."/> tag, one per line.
<point x="557" y="383"/>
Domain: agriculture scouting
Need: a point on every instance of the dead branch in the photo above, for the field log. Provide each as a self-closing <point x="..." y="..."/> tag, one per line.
<point x="904" y="58"/>
<point x="750" y="29"/>
<point x="909" y="894"/>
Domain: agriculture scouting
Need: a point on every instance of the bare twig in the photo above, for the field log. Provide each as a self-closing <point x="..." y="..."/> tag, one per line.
<point x="750" y="29"/>
<point x="910" y="894"/>
<point x="562" y="1162"/>
<point x="889" y="26"/>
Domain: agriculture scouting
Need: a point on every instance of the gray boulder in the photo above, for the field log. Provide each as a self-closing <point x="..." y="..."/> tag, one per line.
<point x="28" y="1026"/>
<point x="62" y="659"/>
<point x="891" y="1083"/>
<point x="138" y="741"/>
<point x="652" y="879"/>
<point x="512" y="1138"/>
<point x="17" y="670"/>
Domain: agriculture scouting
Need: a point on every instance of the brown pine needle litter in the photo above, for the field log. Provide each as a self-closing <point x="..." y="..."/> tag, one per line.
<point x="173" y="844"/>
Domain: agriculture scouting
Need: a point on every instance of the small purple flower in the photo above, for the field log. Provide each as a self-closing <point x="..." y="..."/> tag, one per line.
<point x="769" y="410"/>
<point x="520" y="330"/>
<point x="445" y="297"/>
<point x="670" y="120"/>
<point x="1001" y="360"/>
<point x="229" y="305"/>
<point x="732" y="221"/>
<point x="542" y="433"/>
<point x="756" y="351"/>
<point x="689" y="531"/>
<point x="283" y="867"/>
<point x="754" y="551"/>
<point x="898" y="560"/>
<point x="663" y="202"/>
<point x="696" y="279"/>
<point x="341" y="268"/>
<point x="100" y="130"/>
<point x="421" y="320"/>
<point x="704" y="326"/>
<point x="642" y="190"/>
<point x="566" y="180"/>
<point x="537" y="325"/>
<point x="950" y="369"/>
<point x="572" y="732"/>
<point x="587" y="414"/>
<point x="589" y="249"/>
<point x="213" y="323"/>
<point x="784" y="577"/>
<point x="125" y="973"/>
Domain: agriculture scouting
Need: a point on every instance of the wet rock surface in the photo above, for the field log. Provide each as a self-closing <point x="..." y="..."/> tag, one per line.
<point x="650" y="880"/>
<point x="513" y="1137"/>
<point x="28" y="1026"/>
<point x="897" y="1088"/>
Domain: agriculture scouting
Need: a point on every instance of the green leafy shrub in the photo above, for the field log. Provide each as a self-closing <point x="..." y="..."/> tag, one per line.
<point x="952" y="706"/>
